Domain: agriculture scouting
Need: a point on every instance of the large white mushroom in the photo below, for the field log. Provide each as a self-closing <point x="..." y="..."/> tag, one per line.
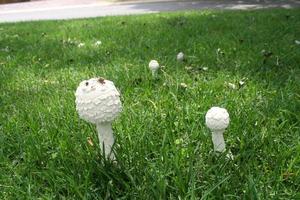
<point x="153" y="66"/>
<point x="217" y="120"/>
<point x="98" y="102"/>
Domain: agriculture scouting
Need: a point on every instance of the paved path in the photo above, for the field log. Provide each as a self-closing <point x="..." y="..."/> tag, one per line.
<point x="70" y="9"/>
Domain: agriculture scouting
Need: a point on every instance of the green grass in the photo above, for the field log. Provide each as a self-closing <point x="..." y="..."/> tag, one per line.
<point x="163" y="148"/>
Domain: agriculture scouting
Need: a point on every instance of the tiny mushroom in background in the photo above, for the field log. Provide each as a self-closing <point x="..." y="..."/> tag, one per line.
<point x="217" y="120"/>
<point x="98" y="102"/>
<point x="232" y="86"/>
<point x="97" y="43"/>
<point x="81" y="44"/>
<point x="153" y="66"/>
<point x="180" y="57"/>
<point x="183" y="85"/>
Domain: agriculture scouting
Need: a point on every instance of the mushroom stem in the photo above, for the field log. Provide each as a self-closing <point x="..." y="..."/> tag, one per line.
<point x="154" y="73"/>
<point x="106" y="139"/>
<point x="218" y="140"/>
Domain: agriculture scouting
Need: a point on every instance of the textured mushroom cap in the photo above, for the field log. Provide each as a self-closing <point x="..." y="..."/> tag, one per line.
<point x="180" y="56"/>
<point x="153" y="65"/>
<point x="217" y="118"/>
<point x="98" y="100"/>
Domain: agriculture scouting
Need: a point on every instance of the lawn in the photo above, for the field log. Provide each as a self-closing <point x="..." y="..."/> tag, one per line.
<point x="163" y="147"/>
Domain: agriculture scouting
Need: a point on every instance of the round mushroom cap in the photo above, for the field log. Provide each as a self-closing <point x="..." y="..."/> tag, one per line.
<point x="98" y="100"/>
<point x="217" y="118"/>
<point x="153" y="65"/>
<point x="180" y="56"/>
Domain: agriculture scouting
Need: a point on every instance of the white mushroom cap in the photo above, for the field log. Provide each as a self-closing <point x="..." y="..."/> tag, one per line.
<point x="153" y="65"/>
<point x="98" y="100"/>
<point x="180" y="56"/>
<point x="217" y="118"/>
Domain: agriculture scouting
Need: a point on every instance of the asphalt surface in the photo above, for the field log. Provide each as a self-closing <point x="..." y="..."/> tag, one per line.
<point x="73" y="9"/>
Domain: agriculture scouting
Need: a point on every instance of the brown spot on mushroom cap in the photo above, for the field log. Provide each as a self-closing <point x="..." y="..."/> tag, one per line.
<point x="101" y="80"/>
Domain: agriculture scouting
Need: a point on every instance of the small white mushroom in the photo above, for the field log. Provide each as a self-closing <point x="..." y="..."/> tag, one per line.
<point x="217" y="120"/>
<point x="153" y="66"/>
<point x="97" y="43"/>
<point x="231" y="86"/>
<point x="98" y="102"/>
<point x="183" y="85"/>
<point x="180" y="57"/>
<point x="81" y="45"/>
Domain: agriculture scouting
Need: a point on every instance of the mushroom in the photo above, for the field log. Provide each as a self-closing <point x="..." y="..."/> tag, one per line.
<point x="180" y="57"/>
<point x="81" y="44"/>
<point x="97" y="43"/>
<point x="153" y="66"/>
<point x="231" y="86"/>
<point x="217" y="120"/>
<point x="98" y="102"/>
